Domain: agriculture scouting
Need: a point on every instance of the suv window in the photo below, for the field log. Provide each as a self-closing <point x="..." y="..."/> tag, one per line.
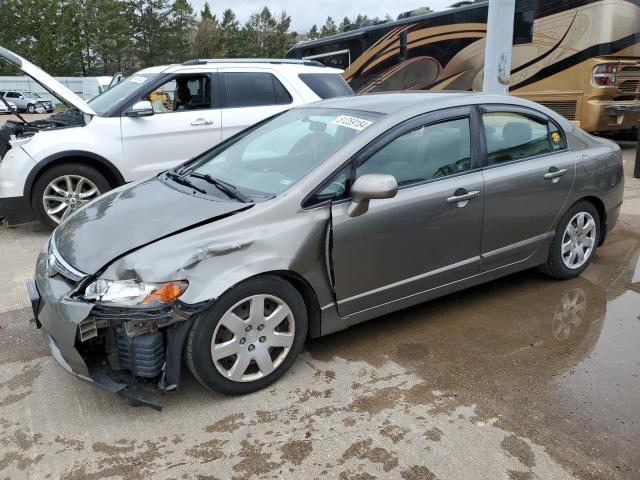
<point x="254" y="89"/>
<point x="326" y="85"/>
<point x="425" y="153"/>
<point x="514" y="136"/>
<point x="12" y="95"/>
<point x="182" y="93"/>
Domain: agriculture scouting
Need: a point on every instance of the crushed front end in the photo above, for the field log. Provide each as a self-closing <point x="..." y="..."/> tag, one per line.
<point x="135" y="352"/>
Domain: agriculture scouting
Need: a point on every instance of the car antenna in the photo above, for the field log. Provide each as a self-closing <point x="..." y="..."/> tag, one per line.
<point x="15" y="112"/>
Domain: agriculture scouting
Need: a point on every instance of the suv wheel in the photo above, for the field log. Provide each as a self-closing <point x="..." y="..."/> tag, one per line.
<point x="61" y="190"/>
<point x="31" y="108"/>
<point x="575" y="242"/>
<point x="249" y="338"/>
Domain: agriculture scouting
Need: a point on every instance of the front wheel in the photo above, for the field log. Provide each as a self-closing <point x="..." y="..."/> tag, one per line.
<point x="61" y="190"/>
<point x="575" y="242"/>
<point x="31" y="108"/>
<point x="249" y="338"/>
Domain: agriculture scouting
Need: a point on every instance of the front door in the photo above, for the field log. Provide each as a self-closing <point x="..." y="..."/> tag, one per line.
<point x="186" y="122"/>
<point x="528" y="176"/>
<point x="426" y="236"/>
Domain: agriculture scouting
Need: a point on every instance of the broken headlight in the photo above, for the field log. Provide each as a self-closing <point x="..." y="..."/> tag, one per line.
<point x="131" y="293"/>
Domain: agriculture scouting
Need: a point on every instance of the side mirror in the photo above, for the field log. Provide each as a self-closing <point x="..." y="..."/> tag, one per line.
<point x="369" y="187"/>
<point x="143" y="108"/>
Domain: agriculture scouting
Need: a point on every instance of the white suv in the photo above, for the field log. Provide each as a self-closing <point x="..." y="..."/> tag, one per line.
<point x="149" y="122"/>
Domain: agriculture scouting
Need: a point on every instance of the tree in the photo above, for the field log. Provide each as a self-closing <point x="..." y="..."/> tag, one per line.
<point x="230" y="33"/>
<point x="208" y="38"/>
<point x="314" y="33"/>
<point x="180" y="29"/>
<point x="329" y="28"/>
<point x="344" y="24"/>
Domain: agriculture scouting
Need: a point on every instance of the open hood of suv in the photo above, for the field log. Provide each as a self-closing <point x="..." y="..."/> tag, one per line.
<point x="47" y="81"/>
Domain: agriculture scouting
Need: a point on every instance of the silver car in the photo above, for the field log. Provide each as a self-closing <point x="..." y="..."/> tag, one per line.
<point x="317" y="219"/>
<point x="28" y="101"/>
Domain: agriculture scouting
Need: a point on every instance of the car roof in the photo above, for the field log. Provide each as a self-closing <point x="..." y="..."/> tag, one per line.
<point x="387" y="102"/>
<point x="198" y="66"/>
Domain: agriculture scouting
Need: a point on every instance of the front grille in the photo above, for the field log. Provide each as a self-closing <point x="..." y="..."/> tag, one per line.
<point x="56" y="264"/>
<point x="566" y="108"/>
<point x="629" y="86"/>
<point x="631" y="69"/>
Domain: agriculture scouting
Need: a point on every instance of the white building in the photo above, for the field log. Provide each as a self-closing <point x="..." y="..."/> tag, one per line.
<point x="85" y="87"/>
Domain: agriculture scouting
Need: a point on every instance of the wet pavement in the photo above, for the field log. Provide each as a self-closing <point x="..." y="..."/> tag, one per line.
<point x="521" y="378"/>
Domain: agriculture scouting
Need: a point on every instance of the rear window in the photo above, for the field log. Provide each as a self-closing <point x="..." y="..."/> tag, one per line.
<point x="254" y="89"/>
<point x="326" y="85"/>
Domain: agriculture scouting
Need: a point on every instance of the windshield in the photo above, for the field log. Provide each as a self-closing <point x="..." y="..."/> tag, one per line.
<point x="107" y="99"/>
<point x="270" y="159"/>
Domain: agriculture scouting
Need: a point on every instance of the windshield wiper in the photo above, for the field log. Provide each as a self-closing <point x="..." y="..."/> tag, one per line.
<point x="183" y="181"/>
<point x="230" y="190"/>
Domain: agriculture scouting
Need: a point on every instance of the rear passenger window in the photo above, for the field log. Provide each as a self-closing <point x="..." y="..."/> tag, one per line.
<point x="426" y="153"/>
<point x="326" y="85"/>
<point x="254" y="89"/>
<point x="513" y="136"/>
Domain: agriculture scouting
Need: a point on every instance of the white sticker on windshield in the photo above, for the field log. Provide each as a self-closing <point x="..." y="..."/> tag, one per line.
<point x="138" y="79"/>
<point x="352" y="122"/>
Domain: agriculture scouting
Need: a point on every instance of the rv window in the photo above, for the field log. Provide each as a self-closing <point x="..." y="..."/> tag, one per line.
<point x="523" y="26"/>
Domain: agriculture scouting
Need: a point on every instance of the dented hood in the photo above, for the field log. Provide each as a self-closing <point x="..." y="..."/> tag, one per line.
<point x="130" y="217"/>
<point x="46" y="81"/>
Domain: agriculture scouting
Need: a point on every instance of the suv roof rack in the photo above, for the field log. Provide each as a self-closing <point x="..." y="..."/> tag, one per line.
<point x="204" y="61"/>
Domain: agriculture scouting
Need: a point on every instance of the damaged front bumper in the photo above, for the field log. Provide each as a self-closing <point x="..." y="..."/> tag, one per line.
<point x="135" y="352"/>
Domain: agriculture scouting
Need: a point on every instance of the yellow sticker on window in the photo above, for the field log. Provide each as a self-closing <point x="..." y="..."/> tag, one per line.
<point x="555" y="137"/>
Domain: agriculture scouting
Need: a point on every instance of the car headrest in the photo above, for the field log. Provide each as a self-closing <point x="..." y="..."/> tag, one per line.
<point x="516" y="133"/>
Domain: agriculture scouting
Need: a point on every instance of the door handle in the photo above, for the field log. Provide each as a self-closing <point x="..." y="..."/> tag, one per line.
<point x="554" y="174"/>
<point x="201" y="121"/>
<point x="462" y="197"/>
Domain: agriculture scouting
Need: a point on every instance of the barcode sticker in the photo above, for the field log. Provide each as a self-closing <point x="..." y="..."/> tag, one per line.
<point x="352" y="122"/>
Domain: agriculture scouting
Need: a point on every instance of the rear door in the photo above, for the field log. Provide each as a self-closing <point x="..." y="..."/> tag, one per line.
<point x="427" y="235"/>
<point x="251" y="95"/>
<point x="529" y="174"/>
<point x="178" y="130"/>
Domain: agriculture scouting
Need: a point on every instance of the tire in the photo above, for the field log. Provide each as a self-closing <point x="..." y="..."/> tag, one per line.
<point x="75" y="171"/>
<point x="557" y="263"/>
<point x="198" y="350"/>
<point x="31" y="108"/>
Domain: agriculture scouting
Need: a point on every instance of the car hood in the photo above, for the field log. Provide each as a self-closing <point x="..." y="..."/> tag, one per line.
<point x="46" y="81"/>
<point x="131" y="217"/>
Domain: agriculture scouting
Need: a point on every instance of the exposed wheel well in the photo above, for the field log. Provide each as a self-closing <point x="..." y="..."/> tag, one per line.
<point x="308" y="295"/>
<point x="596" y="202"/>
<point x="111" y="173"/>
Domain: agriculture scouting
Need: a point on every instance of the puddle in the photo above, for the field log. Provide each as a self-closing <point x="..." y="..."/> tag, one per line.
<point x="553" y="361"/>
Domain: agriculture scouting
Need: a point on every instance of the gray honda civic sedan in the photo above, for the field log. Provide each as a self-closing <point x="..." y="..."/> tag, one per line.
<point x="312" y="221"/>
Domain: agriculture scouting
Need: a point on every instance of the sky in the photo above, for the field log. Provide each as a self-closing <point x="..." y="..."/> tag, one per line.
<point x="307" y="12"/>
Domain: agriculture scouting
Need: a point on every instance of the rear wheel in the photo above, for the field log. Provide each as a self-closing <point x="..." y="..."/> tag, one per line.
<point x="249" y="338"/>
<point x="63" y="189"/>
<point x="575" y="242"/>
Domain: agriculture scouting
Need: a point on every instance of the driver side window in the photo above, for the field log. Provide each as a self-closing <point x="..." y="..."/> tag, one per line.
<point x="181" y="94"/>
<point x="423" y="154"/>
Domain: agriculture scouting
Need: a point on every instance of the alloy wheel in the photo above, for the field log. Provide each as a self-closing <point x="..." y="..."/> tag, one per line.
<point x="253" y="338"/>
<point x="578" y="240"/>
<point x="65" y="194"/>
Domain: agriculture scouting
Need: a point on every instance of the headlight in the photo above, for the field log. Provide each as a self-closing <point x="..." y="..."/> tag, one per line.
<point x="130" y="293"/>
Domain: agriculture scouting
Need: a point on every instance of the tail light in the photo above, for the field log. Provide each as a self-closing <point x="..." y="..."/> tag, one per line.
<point x="604" y="75"/>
